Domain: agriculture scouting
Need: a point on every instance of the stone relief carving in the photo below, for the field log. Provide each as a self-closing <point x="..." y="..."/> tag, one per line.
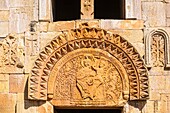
<point x="87" y="11"/>
<point x="157" y="49"/>
<point x="78" y="39"/>
<point x="88" y="78"/>
<point x="12" y="52"/>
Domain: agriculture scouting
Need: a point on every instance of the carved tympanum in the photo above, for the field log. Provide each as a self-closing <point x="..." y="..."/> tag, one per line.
<point x="88" y="66"/>
<point x="88" y="77"/>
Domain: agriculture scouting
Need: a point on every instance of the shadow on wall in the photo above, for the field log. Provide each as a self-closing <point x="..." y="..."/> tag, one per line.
<point x="137" y="104"/>
<point x="30" y="103"/>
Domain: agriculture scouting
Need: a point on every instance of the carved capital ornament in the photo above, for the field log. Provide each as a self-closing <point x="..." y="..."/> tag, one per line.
<point x="89" y="67"/>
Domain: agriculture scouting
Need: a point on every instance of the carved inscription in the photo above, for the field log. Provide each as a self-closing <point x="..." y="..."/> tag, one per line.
<point x="88" y="78"/>
<point x="157" y="50"/>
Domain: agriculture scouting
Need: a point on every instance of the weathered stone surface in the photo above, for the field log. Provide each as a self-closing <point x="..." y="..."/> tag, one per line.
<point x="87" y="9"/>
<point x="89" y="23"/>
<point x="4" y="5"/>
<point x="4" y="83"/>
<point x="164" y="105"/>
<point x="17" y="83"/>
<point x="122" y="24"/>
<point x="45" y="10"/>
<point x="47" y="37"/>
<point x="21" y="3"/>
<point x="45" y="108"/>
<point x="61" y="25"/>
<point x="20" y="19"/>
<point x="168" y="10"/>
<point x="157" y="82"/>
<point x="43" y="26"/>
<point x="153" y="13"/>
<point x="168" y="22"/>
<point x="7" y="103"/>
<point x="4" y="29"/>
<point x="12" y="54"/>
<point x="32" y="48"/>
<point x="4" y="15"/>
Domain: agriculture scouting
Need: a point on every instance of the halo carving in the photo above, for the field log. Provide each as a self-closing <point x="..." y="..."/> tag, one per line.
<point x="42" y="83"/>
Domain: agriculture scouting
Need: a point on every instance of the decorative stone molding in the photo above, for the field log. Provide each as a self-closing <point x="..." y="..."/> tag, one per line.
<point x="92" y="45"/>
<point x="157" y="49"/>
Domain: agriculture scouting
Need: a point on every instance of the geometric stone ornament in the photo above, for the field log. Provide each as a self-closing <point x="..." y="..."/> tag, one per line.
<point x="157" y="49"/>
<point x="12" y="54"/>
<point x="88" y="66"/>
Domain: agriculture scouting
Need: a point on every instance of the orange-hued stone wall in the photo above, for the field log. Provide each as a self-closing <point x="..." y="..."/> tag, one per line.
<point x="26" y="27"/>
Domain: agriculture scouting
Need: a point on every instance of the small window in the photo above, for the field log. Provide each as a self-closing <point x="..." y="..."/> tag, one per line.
<point x="66" y="10"/>
<point x="109" y="9"/>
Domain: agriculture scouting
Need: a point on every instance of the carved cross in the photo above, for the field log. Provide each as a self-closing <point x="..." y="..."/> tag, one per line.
<point x="32" y="44"/>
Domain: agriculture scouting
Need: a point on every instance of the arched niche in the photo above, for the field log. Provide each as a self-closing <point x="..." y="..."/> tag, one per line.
<point x="88" y="66"/>
<point x="163" y="37"/>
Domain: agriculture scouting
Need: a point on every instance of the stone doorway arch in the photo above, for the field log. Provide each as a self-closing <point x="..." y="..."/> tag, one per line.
<point x="88" y="67"/>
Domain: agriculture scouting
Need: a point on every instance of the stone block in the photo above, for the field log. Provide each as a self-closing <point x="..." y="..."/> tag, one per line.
<point x="122" y="24"/>
<point x="21" y="3"/>
<point x="164" y="106"/>
<point x="17" y="83"/>
<point x="4" y="5"/>
<point x="20" y="19"/>
<point x="32" y="48"/>
<point x="168" y="10"/>
<point x="4" y="15"/>
<point x="133" y="36"/>
<point x="4" y="29"/>
<point x="168" y="84"/>
<point x="45" y="10"/>
<point x="154" y="94"/>
<point x="157" y="82"/>
<point x="43" y="26"/>
<point x="7" y="103"/>
<point x="60" y="26"/>
<point x="151" y="14"/>
<point x="45" y="108"/>
<point x="4" y="83"/>
<point x="149" y="107"/>
<point x="47" y="37"/>
<point x="168" y="22"/>
<point x="85" y="23"/>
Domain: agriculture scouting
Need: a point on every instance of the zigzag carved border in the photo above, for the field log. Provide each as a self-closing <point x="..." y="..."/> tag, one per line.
<point x="89" y="38"/>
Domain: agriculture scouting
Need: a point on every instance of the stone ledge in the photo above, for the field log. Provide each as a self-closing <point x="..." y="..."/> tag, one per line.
<point x="61" y="25"/>
<point x="122" y="24"/>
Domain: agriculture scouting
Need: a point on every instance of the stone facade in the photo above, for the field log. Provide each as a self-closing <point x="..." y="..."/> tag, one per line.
<point x="85" y="63"/>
